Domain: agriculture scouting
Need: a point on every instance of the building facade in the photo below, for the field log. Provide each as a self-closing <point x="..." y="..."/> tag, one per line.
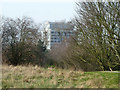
<point x="55" y="32"/>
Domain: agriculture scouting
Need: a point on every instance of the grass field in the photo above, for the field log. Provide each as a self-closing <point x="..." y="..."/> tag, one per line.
<point x="38" y="77"/>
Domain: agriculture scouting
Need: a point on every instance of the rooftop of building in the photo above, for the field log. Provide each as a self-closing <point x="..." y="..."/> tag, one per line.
<point x="61" y="25"/>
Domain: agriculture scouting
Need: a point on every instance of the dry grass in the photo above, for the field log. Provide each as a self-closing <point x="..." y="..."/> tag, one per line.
<point x="38" y="77"/>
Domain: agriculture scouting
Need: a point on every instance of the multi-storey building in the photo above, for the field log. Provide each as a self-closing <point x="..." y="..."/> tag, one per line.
<point x="55" y="32"/>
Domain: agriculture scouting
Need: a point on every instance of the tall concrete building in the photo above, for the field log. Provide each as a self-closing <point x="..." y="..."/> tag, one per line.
<point x="55" y="32"/>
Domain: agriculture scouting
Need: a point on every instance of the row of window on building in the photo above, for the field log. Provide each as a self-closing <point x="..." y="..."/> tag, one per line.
<point x="53" y="33"/>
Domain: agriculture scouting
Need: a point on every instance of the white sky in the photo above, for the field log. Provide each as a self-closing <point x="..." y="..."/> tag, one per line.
<point x="39" y="10"/>
<point x="38" y="0"/>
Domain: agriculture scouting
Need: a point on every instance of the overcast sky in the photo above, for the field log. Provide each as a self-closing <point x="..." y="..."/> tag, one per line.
<point x="39" y="10"/>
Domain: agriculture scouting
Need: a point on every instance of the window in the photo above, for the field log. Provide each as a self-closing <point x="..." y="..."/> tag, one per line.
<point x="52" y="31"/>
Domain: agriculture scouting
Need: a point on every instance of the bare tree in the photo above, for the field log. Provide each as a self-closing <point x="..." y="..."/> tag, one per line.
<point x="95" y="46"/>
<point x="97" y="25"/>
<point x="20" y="38"/>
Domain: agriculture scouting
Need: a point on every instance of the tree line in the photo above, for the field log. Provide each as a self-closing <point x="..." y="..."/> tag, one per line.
<point x="95" y="45"/>
<point x="21" y="42"/>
